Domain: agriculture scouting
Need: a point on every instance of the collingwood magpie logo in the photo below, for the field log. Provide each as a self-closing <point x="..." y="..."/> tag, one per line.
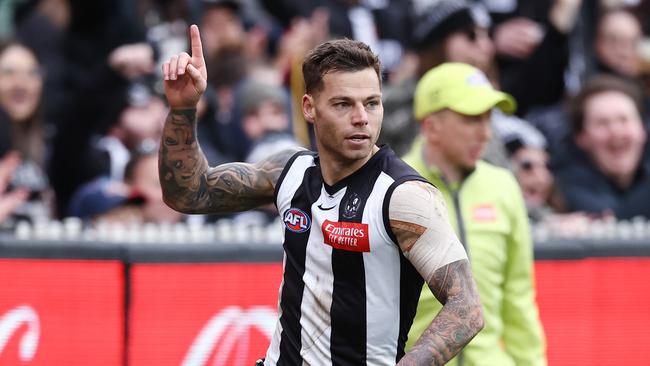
<point x="352" y="205"/>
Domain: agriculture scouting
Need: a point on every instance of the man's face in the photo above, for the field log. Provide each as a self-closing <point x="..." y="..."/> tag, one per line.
<point x="347" y="114"/>
<point x="474" y="47"/>
<point x="617" y="43"/>
<point x="459" y="139"/>
<point x="613" y="133"/>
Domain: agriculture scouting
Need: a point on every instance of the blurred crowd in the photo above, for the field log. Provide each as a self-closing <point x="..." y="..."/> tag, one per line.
<point x="82" y="108"/>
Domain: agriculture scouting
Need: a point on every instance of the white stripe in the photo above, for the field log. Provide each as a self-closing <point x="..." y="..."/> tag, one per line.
<point x="316" y="304"/>
<point x="292" y="181"/>
<point x="273" y="353"/>
<point x="382" y="266"/>
<point x="286" y="191"/>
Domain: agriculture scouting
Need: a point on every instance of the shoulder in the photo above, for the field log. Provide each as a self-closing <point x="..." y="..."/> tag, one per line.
<point x="282" y="158"/>
<point x="415" y="197"/>
<point x="396" y="167"/>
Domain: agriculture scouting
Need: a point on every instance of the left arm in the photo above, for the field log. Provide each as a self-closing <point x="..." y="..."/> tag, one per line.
<point x="523" y="336"/>
<point x="419" y="221"/>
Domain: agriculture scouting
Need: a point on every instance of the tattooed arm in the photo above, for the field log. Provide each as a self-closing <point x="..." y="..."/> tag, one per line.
<point x="418" y="218"/>
<point x="188" y="184"/>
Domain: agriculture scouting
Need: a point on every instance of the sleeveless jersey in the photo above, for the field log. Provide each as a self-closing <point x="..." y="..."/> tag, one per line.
<point x="348" y="294"/>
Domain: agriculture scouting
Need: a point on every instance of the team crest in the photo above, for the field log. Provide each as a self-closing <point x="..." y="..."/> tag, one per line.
<point x="351" y="207"/>
<point x="296" y="220"/>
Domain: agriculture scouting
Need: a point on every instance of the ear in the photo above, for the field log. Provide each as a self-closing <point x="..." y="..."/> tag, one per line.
<point x="308" y="109"/>
<point x="430" y="127"/>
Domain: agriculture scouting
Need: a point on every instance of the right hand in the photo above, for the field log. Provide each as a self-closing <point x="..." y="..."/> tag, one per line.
<point x="517" y="37"/>
<point x="185" y="76"/>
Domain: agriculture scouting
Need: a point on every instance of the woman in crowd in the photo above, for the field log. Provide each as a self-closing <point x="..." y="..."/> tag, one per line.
<point x="21" y="86"/>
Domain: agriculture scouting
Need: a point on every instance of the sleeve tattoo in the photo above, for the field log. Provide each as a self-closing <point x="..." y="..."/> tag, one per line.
<point x="461" y="317"/>
<point x="191" y="186"/>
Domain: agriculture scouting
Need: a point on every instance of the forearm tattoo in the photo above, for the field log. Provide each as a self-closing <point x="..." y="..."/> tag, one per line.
<point x="191" y="186"/>
<point x="460" y="319"/>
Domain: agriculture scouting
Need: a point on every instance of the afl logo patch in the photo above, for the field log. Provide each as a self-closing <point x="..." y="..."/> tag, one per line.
<point x="296" y="220"/>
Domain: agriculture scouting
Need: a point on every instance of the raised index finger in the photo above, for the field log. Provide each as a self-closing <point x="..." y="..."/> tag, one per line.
<point x="197" y="47"/>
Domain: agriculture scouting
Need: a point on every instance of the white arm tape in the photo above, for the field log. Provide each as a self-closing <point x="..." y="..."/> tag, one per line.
<point x="422" y="204"/>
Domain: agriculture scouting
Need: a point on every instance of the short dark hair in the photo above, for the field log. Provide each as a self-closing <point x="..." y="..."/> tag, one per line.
<point x="600" y="84"/>
<point x="341" y="55"/>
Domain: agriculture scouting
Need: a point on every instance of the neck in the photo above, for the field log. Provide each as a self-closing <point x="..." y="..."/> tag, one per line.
<point x="623" y="181"/>
<point x="334" y="170"/>
<point x="451" y="172"/>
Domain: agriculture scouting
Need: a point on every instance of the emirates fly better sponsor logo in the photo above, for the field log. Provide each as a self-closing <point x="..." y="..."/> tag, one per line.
<point x="351" y="236"/>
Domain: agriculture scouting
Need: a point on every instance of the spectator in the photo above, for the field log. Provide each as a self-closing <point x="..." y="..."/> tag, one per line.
<point x="42" y="29"/>
<point x="21" y="86"/>
<point x="618" y="48"/>
<point x="139" y="123"/>
<point x="266" y="122"/>
<point x="226" y="45"/>
<point x="444" y="31"/>
<point x="604" y="168"/>
<point x="105" y="52"/>
<point x="227" y="26"/>
<point x="617" y="43"/>
<point x="616" y="52"/>
<point x="265" y="119"/>
<point x="453" y="102"/>
<point x="137" y="199"/>
<point x="531" y="36"/>
<point x="530" y="165"/>
<point x="526" y="149"/>
<point x="142" y="177"/>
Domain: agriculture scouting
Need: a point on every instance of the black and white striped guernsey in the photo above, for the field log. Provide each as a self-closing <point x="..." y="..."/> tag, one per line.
<point x="348" y="295"/>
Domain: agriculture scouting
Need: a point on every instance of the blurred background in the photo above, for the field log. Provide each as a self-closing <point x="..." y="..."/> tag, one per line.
<point x="84" y="229"/>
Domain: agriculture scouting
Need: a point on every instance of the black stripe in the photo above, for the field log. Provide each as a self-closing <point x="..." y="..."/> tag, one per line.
<point x="410" y="280"/>
<point x="348" y="312"/>
<point x="410" y="288"/>
<point x="295" y="246"/>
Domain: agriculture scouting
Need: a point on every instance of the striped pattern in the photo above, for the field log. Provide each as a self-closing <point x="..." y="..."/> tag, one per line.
<point x="341" y="304"/>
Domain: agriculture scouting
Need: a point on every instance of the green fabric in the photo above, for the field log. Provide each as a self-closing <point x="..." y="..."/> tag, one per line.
<point x="501" y="254"/>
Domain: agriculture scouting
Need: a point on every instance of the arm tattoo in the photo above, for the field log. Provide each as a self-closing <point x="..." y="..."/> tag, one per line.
<point x="460" y="319"/>
<point x="191" y="186"/>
